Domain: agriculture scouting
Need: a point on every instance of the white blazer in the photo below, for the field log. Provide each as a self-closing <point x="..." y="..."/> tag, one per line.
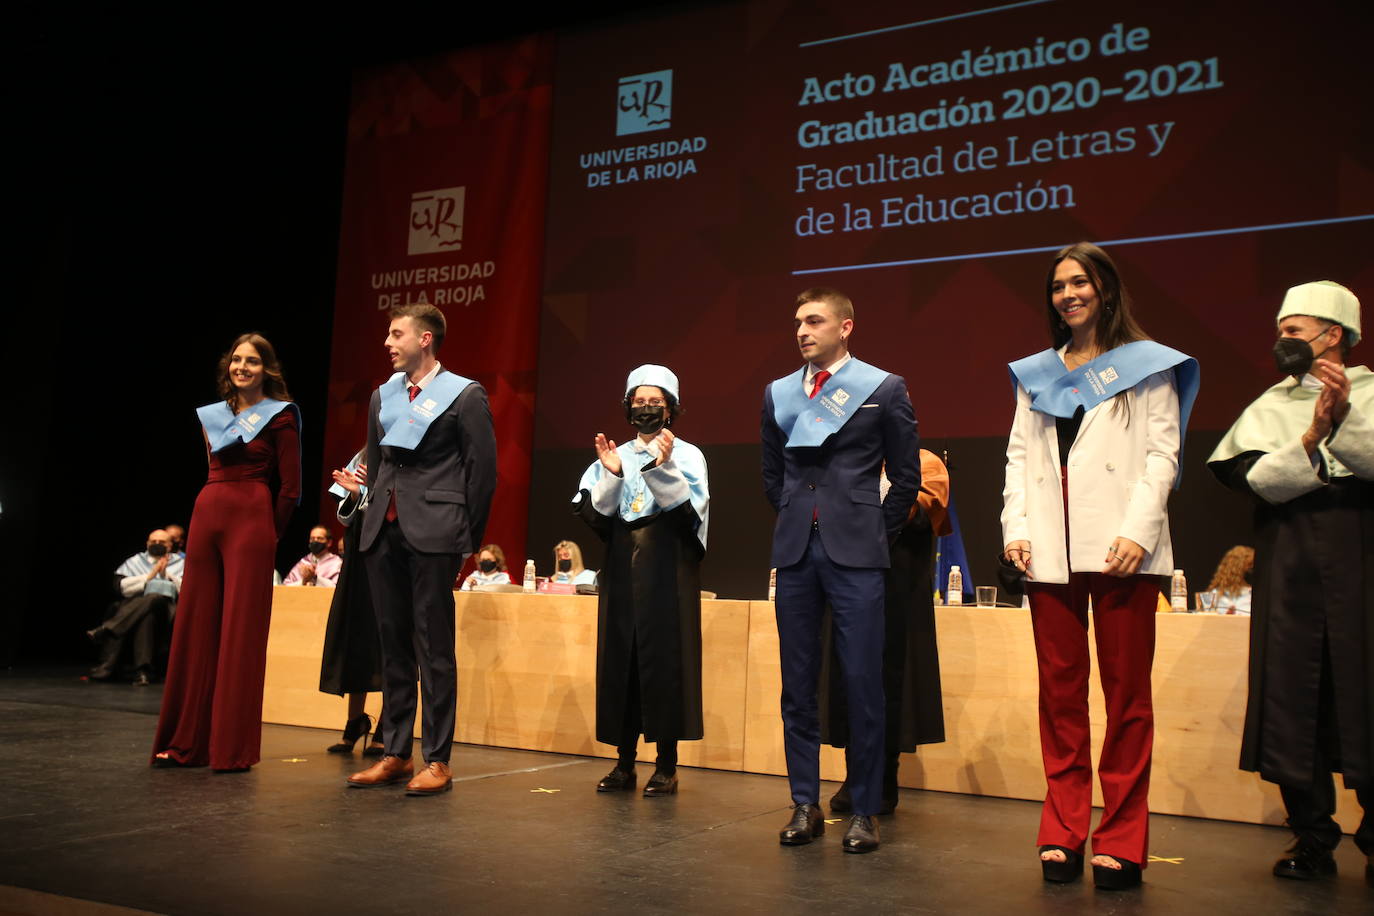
<point x="1120" y="475"/>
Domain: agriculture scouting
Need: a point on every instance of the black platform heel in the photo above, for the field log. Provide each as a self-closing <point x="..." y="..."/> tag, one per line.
<point x="355" y="728"/>
<point x="1117" y="879"/>
<point x="1071" y="869"/>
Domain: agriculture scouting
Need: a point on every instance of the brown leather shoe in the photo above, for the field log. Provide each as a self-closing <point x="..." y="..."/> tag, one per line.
<point x="384" y="772"/>
<point x="432" y="780"/>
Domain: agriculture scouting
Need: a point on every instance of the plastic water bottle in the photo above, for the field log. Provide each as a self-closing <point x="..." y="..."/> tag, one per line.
<point x="773" y="584"/>
<point x="954" y="590"/>
<point x="529" y="575"/>
<point x="1179" y="592"/>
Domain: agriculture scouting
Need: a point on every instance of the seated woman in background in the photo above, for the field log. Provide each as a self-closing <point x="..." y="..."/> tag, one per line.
<point x="567" y="564"/>
<point x="1231" y="581"/>
<point x="491" y="568"/>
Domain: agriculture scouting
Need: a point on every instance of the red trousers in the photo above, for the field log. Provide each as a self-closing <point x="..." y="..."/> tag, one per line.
<point x="1124" y="627"/>
<point x="212" y="701"/>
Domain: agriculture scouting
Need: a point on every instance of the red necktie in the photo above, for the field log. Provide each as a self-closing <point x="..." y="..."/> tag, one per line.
<point x="391" y="506"/>
<point x="817" y="382"/>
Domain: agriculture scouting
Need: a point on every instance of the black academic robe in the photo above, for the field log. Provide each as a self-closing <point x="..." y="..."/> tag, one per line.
<point x="649" y="623"/>
<point x="352" y="658"/>
<point x="1311" y="631"/>
<point x="911" y="658"/>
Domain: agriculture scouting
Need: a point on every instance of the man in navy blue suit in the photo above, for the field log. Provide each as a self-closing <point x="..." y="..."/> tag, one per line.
<point x="828" y="430"/>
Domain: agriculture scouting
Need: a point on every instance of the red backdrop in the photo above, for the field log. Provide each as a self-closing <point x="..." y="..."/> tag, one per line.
<point x="444" y="197"/>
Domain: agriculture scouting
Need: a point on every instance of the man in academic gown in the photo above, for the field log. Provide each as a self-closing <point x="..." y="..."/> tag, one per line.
<point x="148" y="584"/>
<point x="1305" y="450"/>
<point x="431" y="460"/>
<point x="827" y="430"/>
<point x="648" y="500"/>
<point x="914" y="707"/>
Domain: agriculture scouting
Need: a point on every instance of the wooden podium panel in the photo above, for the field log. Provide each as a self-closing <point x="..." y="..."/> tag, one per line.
<point x="527" y="667"/>
<point x="526" y="673"/>
<point x="992" y="732"/>
<point x="295" y="643"/>
<point x="527" y="676"/>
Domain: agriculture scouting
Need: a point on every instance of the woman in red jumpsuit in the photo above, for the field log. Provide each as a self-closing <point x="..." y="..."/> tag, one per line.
<point x="212" y="701"/>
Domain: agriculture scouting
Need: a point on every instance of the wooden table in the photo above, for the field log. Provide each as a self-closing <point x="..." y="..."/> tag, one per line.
<point x="526" y="679"/>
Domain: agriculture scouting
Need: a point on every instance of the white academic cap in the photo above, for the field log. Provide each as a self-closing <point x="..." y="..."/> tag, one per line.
<point x="658" y="376"/>
<point x="1326" y="300"/>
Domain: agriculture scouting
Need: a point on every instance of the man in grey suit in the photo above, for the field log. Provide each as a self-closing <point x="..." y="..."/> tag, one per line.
<point x="431" y="457"/>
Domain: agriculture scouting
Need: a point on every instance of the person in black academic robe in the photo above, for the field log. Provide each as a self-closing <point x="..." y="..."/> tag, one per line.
<point x="911" y="658"/>
<point x="1305" y="450"/>
<point x="351" y="660"/>
<point x="647" y="500"/>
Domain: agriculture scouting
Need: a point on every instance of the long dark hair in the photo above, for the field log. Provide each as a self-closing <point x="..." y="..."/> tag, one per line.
<point x="273" y="382"/>
<point x="1115" y="323"/>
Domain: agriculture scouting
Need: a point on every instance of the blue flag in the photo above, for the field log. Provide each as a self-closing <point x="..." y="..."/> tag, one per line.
<point x="949" y="551"/>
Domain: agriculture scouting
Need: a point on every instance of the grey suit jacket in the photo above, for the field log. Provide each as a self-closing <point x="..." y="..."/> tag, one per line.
<point x="444" y="487"/>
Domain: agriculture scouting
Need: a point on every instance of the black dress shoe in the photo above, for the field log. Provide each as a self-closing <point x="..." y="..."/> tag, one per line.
<point x="660" y="784"/>
<point x="141" y="679"/>
<point x="1071" y="869"/>
<point x="1117" y="879"/>
<point x="1306" y="861"/>
<point x="808" y="822"/>
<point x="862" y="835"/>
<point x="617" y="780"/>
<point x="841" y="803"/>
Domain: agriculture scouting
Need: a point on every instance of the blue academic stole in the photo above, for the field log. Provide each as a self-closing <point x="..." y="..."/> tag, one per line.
<point x="405" y="422"/>
<point x="352" y="465"/>
<point x="1060" y="392"/>
<point x="808" y="422"/>
<point x="224" y="428"/>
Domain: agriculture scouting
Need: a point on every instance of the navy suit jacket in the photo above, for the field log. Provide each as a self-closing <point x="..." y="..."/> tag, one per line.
<point x="837" y="482"/>
<point x="444" y="487"/>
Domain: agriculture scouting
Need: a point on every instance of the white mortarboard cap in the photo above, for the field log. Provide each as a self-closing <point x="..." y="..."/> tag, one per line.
<point x="1327" y="300"/>
<point x="658" y="376"/>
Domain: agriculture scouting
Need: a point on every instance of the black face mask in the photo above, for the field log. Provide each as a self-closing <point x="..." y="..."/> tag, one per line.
<point x="157" y="550"/>
<point x="648" y="420"/>
<point x="487" y="566"/>
<point x="318" y="547"/>
<point x="1294" y="356"/>
<point x="564" y="565"/>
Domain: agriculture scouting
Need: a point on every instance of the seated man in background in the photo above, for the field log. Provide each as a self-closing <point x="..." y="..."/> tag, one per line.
<point x="178" y="536"/>
<point x="320" y="566"/>
<point x="148" y="584"/>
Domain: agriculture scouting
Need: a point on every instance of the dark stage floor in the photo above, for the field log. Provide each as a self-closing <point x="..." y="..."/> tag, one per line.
<point x="82" y="816"/>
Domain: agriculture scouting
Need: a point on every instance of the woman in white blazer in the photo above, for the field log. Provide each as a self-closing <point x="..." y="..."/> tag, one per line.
<point x="1097" y="428"/>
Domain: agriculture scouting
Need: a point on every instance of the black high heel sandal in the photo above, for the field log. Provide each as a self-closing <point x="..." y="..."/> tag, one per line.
<point x="1071" y="869"/>
<point x="357" y="727"/>
<point x="1116" y="879"/>
<point x="377" y="746"/>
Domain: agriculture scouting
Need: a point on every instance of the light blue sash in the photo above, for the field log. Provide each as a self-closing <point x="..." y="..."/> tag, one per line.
<point x="405" y="422"/>
<point x="339" y="491"/>
<point x="808" y="422"/>
<point x="223" y="428"/>
<point x="1060" y="392"/>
